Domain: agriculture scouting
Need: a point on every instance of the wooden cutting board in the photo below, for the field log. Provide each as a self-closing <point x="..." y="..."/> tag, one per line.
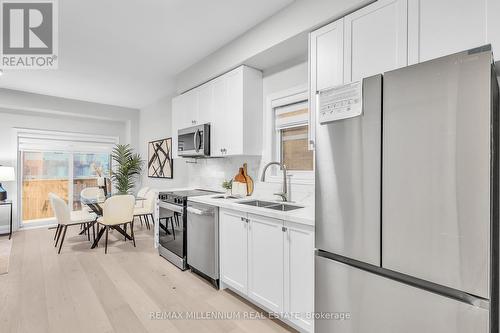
<point x="248" y="179"/>
<point x="240" y="187"/>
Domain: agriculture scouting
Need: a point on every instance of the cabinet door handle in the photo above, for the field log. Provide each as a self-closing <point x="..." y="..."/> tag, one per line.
<point x="283" y="229"/>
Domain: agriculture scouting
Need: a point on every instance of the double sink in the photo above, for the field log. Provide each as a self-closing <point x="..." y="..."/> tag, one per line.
<point x="270" y="205"/>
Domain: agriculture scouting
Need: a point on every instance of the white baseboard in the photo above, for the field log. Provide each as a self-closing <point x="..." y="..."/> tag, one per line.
<point x="45" y="226"/>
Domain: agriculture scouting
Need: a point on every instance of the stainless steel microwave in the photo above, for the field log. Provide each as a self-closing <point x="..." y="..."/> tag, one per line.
<point x="194" y="141"/>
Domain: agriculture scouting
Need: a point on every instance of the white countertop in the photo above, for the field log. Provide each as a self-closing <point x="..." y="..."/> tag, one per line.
<point x="303" y="215"/>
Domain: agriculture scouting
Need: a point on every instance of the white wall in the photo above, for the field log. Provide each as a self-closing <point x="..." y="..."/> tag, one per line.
<point x="301" y="16"/>
<point x="283" y="79"/>
<point x="25" y="110"/>
<point x="156" y="123"/>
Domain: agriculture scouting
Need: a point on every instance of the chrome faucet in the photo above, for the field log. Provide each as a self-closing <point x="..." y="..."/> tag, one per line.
<point x="284" y="193"/>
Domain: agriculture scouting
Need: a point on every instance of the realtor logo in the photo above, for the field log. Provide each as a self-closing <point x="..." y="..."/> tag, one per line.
<point x="29" y="34"/>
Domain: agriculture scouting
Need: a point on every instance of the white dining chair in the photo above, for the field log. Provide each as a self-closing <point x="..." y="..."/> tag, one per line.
<point x="66" y="218"/>
<point x="117" y="210"/>
<point x="88" y="195"/>
<point x="141" y="194"/>
<point x="148" y="208"/>
<point x="91" y="193"/>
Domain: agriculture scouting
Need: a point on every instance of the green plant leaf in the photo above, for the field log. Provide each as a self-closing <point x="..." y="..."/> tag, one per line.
<point x="128" y="166"/>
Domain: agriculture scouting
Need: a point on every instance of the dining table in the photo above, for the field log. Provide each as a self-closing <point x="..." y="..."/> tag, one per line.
<point x="95" y="206"/>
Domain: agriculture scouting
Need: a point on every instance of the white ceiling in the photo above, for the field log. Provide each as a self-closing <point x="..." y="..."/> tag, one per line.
<point x="127" y="52"/>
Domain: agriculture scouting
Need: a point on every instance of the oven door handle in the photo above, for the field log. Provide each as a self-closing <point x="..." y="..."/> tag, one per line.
<point x="172" y="207"/>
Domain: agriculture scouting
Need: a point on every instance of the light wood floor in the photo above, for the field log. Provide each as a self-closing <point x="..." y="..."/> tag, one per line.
<point x="84" y="290"/>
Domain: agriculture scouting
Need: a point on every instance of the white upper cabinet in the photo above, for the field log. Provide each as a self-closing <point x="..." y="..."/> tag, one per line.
<point x="232" y="104"/>
<point x="440" y="27"/>
<point x="231" y="120"/>
<point x="238" y="123"/>
<point x="184" y="114"/>
<point x="375" y="39"/>
<point x="326" y="63"/>
<point x="218" y="123"/>
<point x="205" y="108"/>
<point x="185" y="107"/>
<point x="327" y="55"/>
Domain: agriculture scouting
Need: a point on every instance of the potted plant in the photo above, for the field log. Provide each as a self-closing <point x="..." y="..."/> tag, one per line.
<point x="128" y="166"/>
<point x="227" y="185"/>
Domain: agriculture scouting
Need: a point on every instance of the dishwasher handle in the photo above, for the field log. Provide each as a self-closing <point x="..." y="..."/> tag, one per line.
<point x="207" y="212"/>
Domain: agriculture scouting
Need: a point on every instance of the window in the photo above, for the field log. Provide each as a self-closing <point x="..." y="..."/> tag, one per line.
<point x="60" y="173"/>
<point x="43" y="173"/>
<point x="59" y="162"/>
<point x="292" y="128"/>
<point x="295" y="153"/>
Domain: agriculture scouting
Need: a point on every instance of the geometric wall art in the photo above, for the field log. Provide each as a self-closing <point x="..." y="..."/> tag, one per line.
<point x="160" y="163"/>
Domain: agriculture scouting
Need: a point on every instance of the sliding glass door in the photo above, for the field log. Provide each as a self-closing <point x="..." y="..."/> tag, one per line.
<point x="43" y="173"/>
<point x="63" y="173"/>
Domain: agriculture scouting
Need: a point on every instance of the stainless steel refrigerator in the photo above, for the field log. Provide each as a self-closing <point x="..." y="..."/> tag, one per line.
<point x="407" y="203"/>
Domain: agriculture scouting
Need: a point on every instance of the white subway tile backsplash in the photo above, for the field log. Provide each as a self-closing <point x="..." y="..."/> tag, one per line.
<point x="210" y="173"/>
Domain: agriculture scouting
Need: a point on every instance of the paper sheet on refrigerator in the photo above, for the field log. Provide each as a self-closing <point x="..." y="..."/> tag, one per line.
<point x="340" y="102"/>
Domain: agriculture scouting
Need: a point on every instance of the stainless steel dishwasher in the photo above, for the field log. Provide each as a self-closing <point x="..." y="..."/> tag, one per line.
<point x="203" y="240"/>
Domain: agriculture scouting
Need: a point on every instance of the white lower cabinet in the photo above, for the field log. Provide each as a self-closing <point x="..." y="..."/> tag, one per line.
<point x="233" y="250"/>
<point x="299" y="284"/>
<point x="276" y="258"/>
<point x="265" y="261"/>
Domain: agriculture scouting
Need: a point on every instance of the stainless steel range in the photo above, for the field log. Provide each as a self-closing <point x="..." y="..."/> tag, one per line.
<point x="172" y="226"/>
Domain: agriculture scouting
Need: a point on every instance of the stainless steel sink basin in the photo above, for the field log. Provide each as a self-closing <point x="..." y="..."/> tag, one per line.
<point x="257" y="203"/>
<point x="270" y="205"/>
<point x="284" y="207"/>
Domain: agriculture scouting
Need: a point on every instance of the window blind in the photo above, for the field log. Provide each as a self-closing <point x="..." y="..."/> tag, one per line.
<point x="291" y="115"/>
<point x="35" y="140"/>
